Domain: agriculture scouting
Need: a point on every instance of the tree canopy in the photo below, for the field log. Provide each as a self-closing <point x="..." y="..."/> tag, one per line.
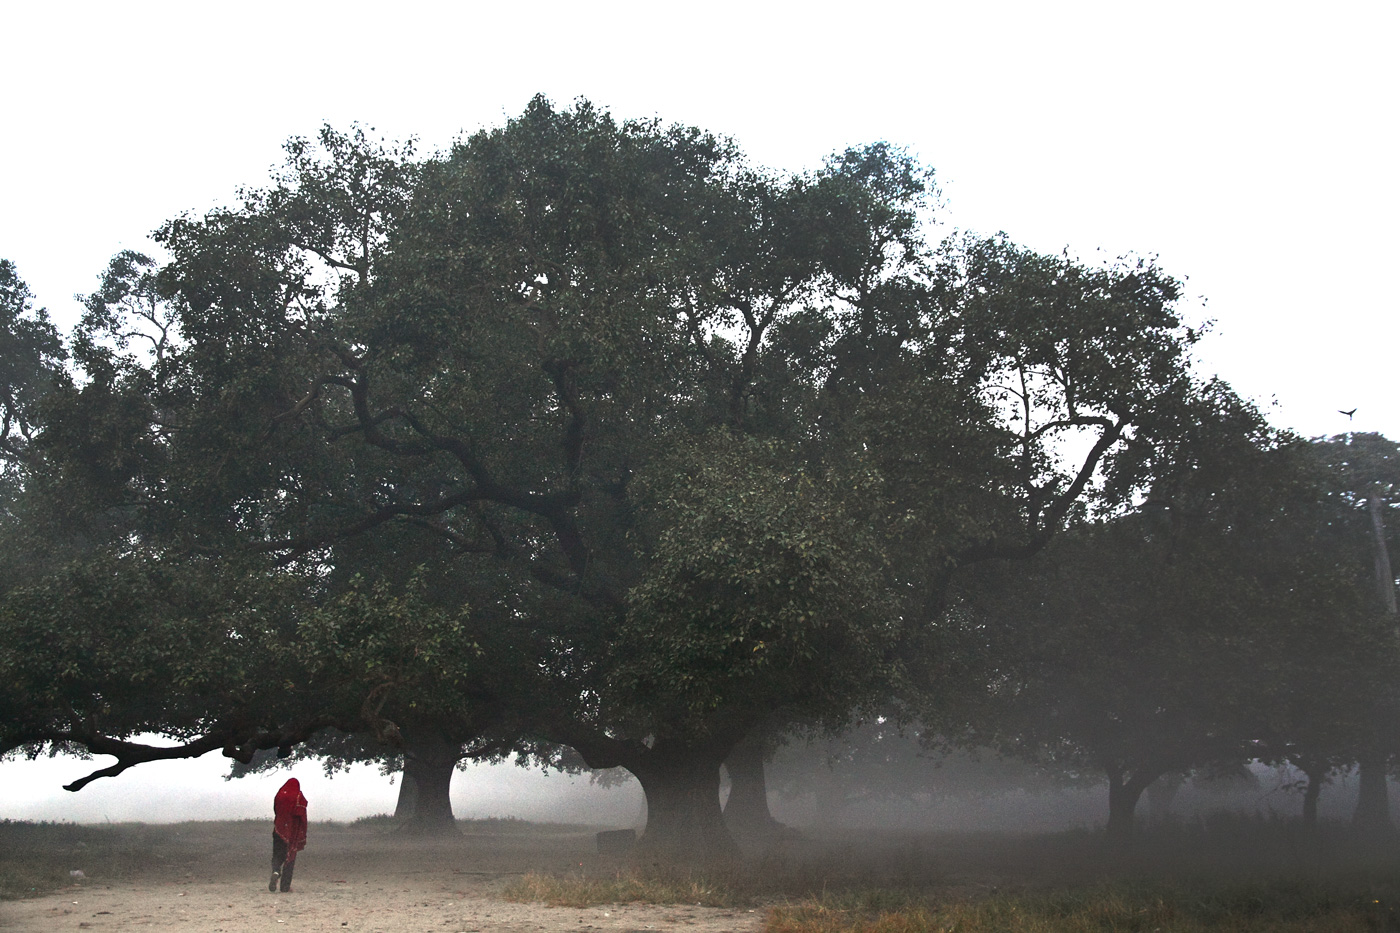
<point x="585" y="432"/>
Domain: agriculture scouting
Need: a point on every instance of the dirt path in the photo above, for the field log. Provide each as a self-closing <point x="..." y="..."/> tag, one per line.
<point x="352" y="883"/>
<point x="370" y="907"/>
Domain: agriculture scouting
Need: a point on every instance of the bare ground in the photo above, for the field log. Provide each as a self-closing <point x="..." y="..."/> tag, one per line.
<point x="212" y="878"/>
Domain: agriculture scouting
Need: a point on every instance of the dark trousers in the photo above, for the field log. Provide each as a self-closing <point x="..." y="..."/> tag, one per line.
<point x="280" y="862"/>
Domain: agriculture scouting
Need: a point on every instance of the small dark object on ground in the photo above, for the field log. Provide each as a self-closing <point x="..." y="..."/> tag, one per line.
<point x="616" y="841"/>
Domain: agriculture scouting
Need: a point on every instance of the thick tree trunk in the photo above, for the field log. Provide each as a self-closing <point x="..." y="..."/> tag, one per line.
<point x="1372" y="816"/>
<point x="1317" y="776"/>
<point x="429" y="763"/>
<point x="408" y="797"/>
<point x="1121" y="806"/>
<point x="1124" y="791"/>
<point x="746" y="811"/>
<point x="680" y="778"/>
<point x="684" y="821"/>
<point x="1385" y="576"/>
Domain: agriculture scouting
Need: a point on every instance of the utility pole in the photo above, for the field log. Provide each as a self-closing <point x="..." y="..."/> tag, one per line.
<point x="1385" y="577"/>
<point x="1373" y="800"/>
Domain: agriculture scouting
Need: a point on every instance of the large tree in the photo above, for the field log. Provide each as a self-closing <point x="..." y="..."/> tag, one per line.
<point x="695" y="444"/>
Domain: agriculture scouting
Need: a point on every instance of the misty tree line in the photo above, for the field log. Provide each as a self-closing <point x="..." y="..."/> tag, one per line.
<point x="591" y="443"/>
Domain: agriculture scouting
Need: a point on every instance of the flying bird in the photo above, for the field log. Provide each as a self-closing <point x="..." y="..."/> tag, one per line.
<point x="1347" y="413"/>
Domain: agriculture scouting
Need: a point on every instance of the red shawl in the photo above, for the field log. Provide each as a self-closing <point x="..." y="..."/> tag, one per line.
<point x="289" y="817"/>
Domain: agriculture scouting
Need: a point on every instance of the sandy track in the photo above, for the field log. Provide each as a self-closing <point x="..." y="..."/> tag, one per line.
<point x="353" y="883"/>
<point x="366" y="908"/>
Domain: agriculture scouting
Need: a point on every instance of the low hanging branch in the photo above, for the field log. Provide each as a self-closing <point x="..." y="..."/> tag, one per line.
<point x="238" y="743"/>
<point x="130" y="754"/>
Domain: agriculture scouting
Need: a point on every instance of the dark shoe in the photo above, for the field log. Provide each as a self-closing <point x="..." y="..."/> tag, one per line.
<point x="272" y="885"/>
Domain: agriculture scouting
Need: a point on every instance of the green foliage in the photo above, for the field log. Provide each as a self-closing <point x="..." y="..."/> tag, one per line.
<point x="114" y="646"/>
<point x="31" y="365"/>
<point x="381" y="636"/>
<point x="761" y="588"/>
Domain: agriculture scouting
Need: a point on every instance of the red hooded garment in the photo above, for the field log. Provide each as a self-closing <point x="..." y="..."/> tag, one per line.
<point x="289" y="817"/>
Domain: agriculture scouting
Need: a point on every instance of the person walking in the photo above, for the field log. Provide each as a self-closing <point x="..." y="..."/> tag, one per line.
<point x="288" y="833"/>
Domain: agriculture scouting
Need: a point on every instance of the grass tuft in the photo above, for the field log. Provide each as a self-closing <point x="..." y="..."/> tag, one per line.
<point x="624" y="888"/>
<point x="384" y="822"/>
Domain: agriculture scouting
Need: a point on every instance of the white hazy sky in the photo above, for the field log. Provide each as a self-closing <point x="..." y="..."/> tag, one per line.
<point x="168" y="792"/>
<point x="1250" y="145"/>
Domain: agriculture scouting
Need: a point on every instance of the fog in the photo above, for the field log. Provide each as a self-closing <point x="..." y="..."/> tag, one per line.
<point x="1273" y="797"/>
<point x="163" y="792"/>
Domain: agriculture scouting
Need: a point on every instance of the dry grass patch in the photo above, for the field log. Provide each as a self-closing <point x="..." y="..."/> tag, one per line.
<point x="1243" y="876"/>
<point x="39" y="858"/>
<point x="624" y="888"/>
<point x="1274" y="907"/>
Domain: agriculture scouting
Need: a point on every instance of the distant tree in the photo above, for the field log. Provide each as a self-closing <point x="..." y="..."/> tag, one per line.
<point x="1362" y="486"/>
<point x="879" y="763"/>
<point x="1213" y="625"/>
